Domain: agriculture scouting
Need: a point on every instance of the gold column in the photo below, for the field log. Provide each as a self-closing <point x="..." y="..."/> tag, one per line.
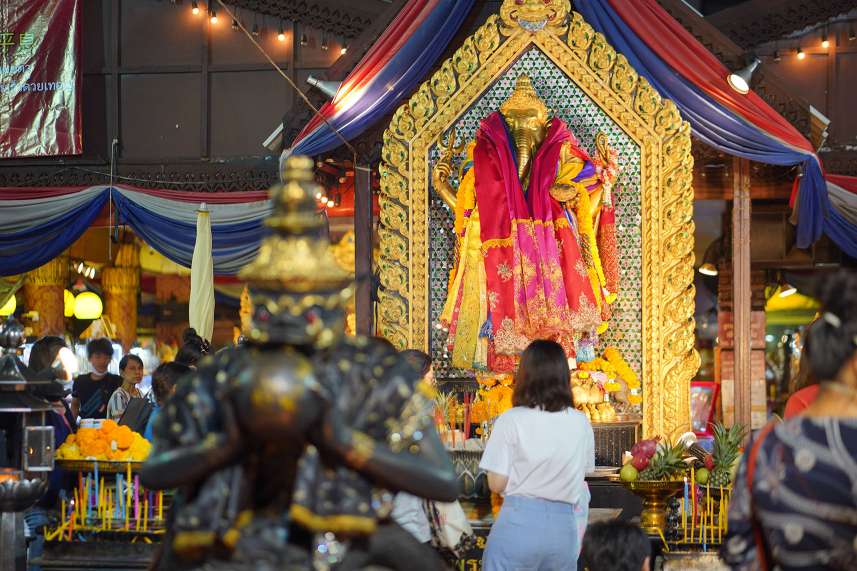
<point x="121" y="283"/>
<point x="43" y="292"/>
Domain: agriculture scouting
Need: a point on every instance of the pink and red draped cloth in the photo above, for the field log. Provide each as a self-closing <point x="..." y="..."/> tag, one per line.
<point x="537" y="281"/>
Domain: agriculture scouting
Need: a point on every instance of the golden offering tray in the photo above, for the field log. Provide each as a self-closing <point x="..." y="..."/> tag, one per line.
<point x="655" y="494"/>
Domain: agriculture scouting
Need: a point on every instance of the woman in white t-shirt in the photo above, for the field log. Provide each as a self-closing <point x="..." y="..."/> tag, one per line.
<point x="537" y="457"/>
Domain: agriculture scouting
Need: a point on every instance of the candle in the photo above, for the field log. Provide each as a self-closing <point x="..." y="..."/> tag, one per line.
<point x="137" y="499"/>
<point x="161" y="505"/>
<point x="145" y="513"/>
<point x="692" y="501"/>
<point x="62" y="512"/>
<point x="97" y="489"/>
<point x="684" y="509"/>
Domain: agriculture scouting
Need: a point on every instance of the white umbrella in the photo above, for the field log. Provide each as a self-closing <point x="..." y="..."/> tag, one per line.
<point x="202" y="277"/>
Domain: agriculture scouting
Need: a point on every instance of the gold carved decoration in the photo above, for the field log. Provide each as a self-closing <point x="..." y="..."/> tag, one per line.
<point x="669" y="359"/>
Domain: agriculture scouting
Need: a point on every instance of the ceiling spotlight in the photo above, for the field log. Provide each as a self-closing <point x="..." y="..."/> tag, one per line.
<point x="213" y="14"/>
<point x="800" y="53"/>
<point x="304" y="40"/>
<point x="282" y="34"/>
<point x="740" y="80"/>
<point x="708" y="269"/>
<point x="344" y="49"/>
<point x="786" y="289"/>
<point x="194" y="8"/>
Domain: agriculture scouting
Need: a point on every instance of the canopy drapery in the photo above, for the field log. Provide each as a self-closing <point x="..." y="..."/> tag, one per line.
<point x="37" y="224"/>
<point x="683" y="70"/>
<point x="402" y="56"/>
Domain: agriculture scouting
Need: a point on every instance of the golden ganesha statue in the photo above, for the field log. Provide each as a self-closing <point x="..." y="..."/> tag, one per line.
<point x="536" y="254"/>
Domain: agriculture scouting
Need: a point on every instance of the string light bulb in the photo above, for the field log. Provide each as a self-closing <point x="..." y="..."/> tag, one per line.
<point x="852" y="35"/>
<point x="282" y="33"/>
<point x="344" y="49"/>
<point x="304" y="40"/>
<point x="800" y="53"/>
<point x="194" y="8"/>
<point x="324" y="45"/>
<point x="825" y="42"/>
<point x="235" y="24"/>
<point x="255" y="29"/>
<point x="213" y="14"/>
<point x="777" y="56"/>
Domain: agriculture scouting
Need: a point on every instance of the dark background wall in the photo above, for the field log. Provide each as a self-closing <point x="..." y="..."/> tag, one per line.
<point x="189" y="101"/>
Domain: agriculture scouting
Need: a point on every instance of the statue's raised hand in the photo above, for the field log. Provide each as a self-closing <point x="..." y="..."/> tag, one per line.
<point x="443" y="168"/>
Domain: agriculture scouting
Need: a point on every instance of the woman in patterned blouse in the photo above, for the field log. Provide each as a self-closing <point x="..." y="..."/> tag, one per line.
<point x="803" y="494"/>
<point x="131" y="369"/>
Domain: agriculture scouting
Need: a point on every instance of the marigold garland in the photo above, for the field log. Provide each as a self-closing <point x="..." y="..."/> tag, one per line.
<point x="623" y="369"/>
<point x="111" y="442"/>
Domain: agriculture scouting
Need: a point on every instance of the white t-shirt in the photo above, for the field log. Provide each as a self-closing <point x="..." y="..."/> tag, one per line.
<point x="544" y="454"/>
<point x="408" y="512"/>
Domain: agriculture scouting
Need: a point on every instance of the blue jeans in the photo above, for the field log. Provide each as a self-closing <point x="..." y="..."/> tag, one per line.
<point x="532" y="534"/>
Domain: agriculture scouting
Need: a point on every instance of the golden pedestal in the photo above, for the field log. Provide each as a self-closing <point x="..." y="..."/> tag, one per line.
<point x="43" y="291"/>
<point x="655" y="494"/>
<point x="121" y="286"/>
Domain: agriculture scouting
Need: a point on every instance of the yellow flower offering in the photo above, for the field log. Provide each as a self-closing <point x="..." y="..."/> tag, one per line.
<point x="110" y="442"/>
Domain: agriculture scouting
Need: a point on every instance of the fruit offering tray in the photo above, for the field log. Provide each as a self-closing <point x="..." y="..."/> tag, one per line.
<point x="105" y="466"/>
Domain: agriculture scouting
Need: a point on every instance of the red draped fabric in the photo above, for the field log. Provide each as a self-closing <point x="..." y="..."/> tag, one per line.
<point x="681" y="51"/>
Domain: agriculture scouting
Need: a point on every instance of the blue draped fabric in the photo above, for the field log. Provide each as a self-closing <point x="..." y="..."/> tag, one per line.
<point x="395" y="80"/>
<point x="233" y="245"/>
<point x="713" y="123"/>
<point x="34" y="247"/>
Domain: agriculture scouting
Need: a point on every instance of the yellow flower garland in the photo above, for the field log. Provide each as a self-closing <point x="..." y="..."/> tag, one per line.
<point x="625" y="372"/>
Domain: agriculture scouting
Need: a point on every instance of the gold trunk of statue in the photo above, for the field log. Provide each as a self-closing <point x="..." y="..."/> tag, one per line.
<point x="527" y="117"/>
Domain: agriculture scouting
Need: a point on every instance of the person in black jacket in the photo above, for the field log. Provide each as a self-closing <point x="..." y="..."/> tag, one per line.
<point x="91" y="391"/>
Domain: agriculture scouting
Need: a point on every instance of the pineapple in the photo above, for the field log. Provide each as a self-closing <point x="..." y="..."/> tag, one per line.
<point x="727" y="442"/>
<point x="667" y="461"/>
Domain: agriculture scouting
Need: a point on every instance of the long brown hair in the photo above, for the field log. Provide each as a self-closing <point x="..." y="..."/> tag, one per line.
<point x="542" y="380"/>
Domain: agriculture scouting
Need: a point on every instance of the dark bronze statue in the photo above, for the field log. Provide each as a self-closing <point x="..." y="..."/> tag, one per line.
<point x="285" y="452"/>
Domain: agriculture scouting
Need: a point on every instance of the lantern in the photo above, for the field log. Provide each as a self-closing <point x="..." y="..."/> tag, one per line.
<point x="68" y="303"/>
<point x="87" y="305"/>
<point x="26" y="443"/>
<point x="9" y="307"/>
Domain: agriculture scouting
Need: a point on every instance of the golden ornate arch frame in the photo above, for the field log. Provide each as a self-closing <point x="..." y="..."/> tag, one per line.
<point x="669" y="359"/>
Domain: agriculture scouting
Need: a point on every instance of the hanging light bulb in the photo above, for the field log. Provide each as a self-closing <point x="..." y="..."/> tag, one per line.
<point x="777" y="56"/>
<point x="304" y="40"/>
<point x="255" y="29"/>
<point x="825" y="42"/>
<point x="9" y="307"/>
<point x="344" y="49"/>
<point x="87" y="305"/>
<point x="68" y="303"/>
<point x="235" y="24"/>
<point x="324" y="45"/>
<point x="194" y="8"/>
<point x="282" y="33"/>
<point x="213" y="14"/>
<point x="800" y="53"/>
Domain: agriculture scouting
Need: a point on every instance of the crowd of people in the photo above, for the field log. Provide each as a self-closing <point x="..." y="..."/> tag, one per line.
<point x="794" y="503"/>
